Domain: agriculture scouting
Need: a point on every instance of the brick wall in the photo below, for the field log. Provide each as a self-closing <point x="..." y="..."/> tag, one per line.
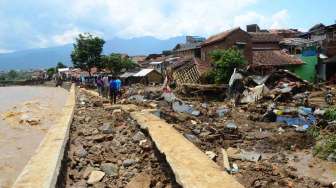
<point x="228" y="42"/>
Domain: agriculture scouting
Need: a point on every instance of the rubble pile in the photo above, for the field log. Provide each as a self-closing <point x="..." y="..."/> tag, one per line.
<point x="107" y="149"/>
<point x="261" y="142"/>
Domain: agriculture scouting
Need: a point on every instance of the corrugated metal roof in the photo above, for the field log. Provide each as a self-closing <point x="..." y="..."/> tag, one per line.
<point x="155" y="62"/>
<point x="127" y="74"/>
<point x="143" y="72"/>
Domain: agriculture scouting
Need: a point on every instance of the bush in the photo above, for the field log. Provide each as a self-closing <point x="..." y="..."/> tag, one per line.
<point x="331" y="113"/>
<point x="225" y="61"/>
<point x="208" y="77"/>
<point x="325" y="146"/>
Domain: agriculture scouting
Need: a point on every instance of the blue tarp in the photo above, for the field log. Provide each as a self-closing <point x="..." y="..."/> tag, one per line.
<point x="305" y="118"/>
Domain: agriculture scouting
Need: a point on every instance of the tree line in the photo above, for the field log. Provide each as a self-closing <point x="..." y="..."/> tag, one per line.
<point x="87" y="53"/>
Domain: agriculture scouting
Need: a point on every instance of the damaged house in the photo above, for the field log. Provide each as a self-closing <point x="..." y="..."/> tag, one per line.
<point x="325" y="37"/>
<point x="190" y="49"/>
<point x="231" y="38"/>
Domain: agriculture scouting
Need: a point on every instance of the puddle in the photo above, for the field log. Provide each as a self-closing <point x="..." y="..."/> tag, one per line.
<point x="310" y="166"/>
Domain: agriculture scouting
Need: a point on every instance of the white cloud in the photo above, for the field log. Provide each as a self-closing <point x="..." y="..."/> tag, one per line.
<point x="165" y="18"/>
<point x="66" y="37"/>
<point x="127" y="18"/>
<point x="275" y="21"/>
<point x="3" y="51"/>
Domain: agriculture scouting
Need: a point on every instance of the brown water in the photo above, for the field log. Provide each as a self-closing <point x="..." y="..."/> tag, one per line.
<point x="26" y="113"/>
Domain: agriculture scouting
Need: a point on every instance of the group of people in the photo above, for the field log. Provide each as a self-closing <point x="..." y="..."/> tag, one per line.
<point x="109" y="88"/>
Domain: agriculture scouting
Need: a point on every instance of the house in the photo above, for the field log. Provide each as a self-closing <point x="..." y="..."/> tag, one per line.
<point x="190" y="49"/>
<point x="231" y="38"/>
<point x="139" y="59"/>
<point x="147" y="76"/>
<point x="266" y="61"/>
<point x="286" y="33"/>
<point x="265" y="41"/>
<point x="325" y="36"/>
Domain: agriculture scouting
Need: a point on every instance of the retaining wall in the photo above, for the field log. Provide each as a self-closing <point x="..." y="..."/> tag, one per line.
<point x="44" y="167"/>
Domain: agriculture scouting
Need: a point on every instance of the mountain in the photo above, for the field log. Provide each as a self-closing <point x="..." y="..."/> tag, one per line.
<point x="48" y="57"/>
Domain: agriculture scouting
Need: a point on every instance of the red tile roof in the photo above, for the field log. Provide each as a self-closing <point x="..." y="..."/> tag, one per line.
<point x="274" y="58"/>
<point x="220" y="36"/>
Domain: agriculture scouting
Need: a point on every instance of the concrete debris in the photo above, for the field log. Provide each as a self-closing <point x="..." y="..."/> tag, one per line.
<point x="95" y="177"/>
<point x="179" y="106"/>
<point x="243" y="155"/>
<point x="226" y="163"/>
<point x="211" y="155"/>
<point x="106" y="128"/>
<point x="138" y="136"/>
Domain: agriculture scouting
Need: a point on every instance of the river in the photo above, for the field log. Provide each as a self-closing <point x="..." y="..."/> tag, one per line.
<point x="26" y="114"/>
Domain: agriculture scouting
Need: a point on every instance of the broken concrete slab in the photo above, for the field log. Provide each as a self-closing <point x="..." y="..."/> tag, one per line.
<point x="192" y="168"/>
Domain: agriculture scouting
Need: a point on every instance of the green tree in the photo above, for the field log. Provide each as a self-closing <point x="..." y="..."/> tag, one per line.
<point x="116" y="63"/>
<point x="87" y="52"/>
<point x="224" y="63"/>
<point x="51" y="71"/>
<point x="60" y="65"/>
<point x="12" y="75"/>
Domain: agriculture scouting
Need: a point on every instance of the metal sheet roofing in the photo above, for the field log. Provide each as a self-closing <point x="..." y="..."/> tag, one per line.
<point x="143" y="72"/>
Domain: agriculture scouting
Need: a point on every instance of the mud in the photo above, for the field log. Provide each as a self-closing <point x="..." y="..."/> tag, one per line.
<point x="26" y="114"/>
<point x="102" y="136"/>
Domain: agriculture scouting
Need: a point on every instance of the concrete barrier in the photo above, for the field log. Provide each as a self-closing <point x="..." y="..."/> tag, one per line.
<point x="44" y="167"/>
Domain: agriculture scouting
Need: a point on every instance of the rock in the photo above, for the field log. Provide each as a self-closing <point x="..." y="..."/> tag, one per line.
<point x="110" y="169"/>
<point x="142" y="180"/>
<point x="97" y="104"/>
<point x="87" y="172"/>
<point x="231" y="125"/>
<point x="192" y="138"/>
<point x="81" y="152"/>
<point x="87" y="119"/>
<point x="221" y="112"/>
<point x="128" y="162"/>
<point x="152" y="105"/>
<point x="138" y="136"/>
<point x="99" y="185"/>
<point x="211" y="155"/>
<point x="331" y="157"/>
<point x="95" y="177"/>
<point x="116" y="111"/>
<point x="193" y="122"/>
<point x="106" y="128"/>
<point x="243" y="155"/>
<point x="144" y="144"/>
<point x="196" y="131"/>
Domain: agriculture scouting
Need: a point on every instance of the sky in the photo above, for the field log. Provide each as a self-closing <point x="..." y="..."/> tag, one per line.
<point x="26" y="24"/>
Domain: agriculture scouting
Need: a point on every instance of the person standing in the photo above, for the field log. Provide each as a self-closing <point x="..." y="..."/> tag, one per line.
<point x="100" y="85"/>
<point x="115" y="87"/>
<point x="106" y="86"/>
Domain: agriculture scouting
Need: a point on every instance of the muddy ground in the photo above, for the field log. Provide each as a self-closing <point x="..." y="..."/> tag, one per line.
<point x="107" y="149"/>
<point x="286" y="155"/>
